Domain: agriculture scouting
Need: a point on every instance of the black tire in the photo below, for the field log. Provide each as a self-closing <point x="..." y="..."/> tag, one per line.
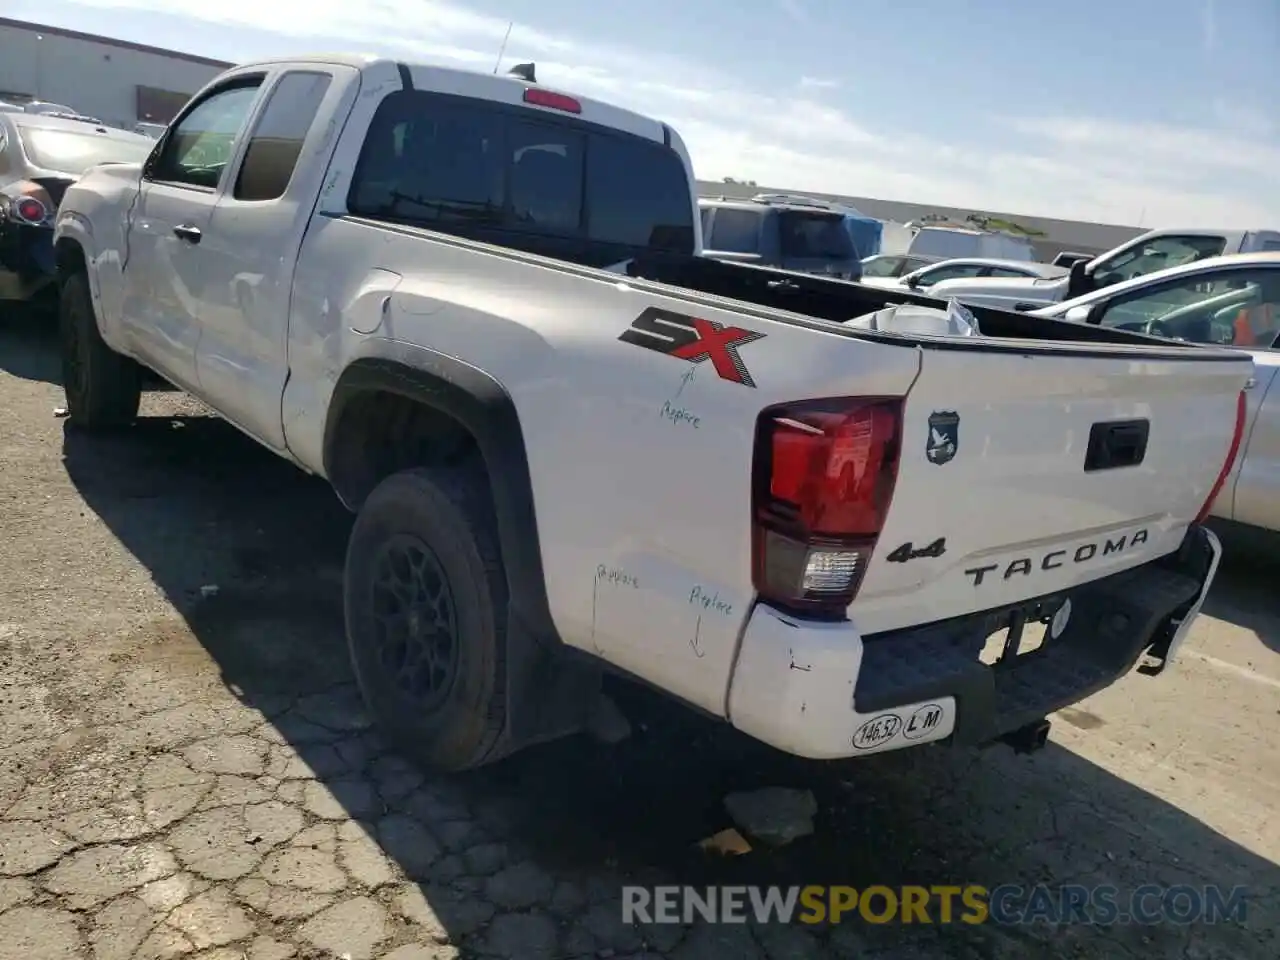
<point x="447" y="515"/>
<point x="103" y="388"/>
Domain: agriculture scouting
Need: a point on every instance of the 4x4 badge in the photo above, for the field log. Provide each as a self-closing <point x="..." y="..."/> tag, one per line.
<point x="944" y="436"/>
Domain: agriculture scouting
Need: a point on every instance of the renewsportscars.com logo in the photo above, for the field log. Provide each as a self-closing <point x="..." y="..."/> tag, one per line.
<point x="973" y="904"/>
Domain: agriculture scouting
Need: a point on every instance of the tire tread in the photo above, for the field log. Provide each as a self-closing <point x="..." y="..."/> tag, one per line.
<point x="468" y="741"/>
<point x="113" y="387"/>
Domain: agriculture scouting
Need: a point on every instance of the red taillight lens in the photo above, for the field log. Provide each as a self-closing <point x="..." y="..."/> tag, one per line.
<point x="1232" y="451"/>
<point x="556" y="101"/>
<point x="825" y="472"/>
<point x="31" y="210"/>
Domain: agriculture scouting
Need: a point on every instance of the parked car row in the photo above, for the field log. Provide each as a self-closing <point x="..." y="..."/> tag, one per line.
<point x="1149" y="253"/>
<point x="478" y="307"/>
<point x="924" y="277"/>
<point x="790" y="233"/>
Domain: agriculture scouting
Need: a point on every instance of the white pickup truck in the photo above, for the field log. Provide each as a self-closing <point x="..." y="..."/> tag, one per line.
<point x="1153" y="251"/>
<point x="475" y="305"/>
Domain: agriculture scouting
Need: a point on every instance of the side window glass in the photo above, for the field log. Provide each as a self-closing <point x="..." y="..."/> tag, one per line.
<point x="735" y="231"/>
<point x="431" y="161"/>
<point x="277" y="139"/>
<point x="1006" y="272"/>
<point x="929" y="277"/>
<point x="1237" y="308"/>
<point x="1158" y="254"/>
<point x="199" y="147"/>
<point x="544" y="185"/>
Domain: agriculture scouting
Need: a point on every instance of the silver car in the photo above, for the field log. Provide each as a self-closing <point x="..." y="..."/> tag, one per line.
<point x="1232" y="301"/>
<point x="40" y="156"/>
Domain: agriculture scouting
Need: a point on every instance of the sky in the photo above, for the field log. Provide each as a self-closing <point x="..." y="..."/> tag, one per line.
<point x="1137" y="112"/>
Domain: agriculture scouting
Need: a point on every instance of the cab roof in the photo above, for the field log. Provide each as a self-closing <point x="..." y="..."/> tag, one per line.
<point x="502" y="88"/>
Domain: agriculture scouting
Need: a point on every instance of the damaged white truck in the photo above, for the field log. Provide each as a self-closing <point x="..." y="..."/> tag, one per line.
<point x="695" y="473"/>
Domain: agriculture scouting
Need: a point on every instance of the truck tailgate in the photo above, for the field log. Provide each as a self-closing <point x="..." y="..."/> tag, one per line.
<point x="1044" y="469"/>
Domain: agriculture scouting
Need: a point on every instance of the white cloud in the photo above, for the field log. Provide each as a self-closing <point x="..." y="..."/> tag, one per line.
<point x="818" y="83"/>
<point x="1218" y="172"/>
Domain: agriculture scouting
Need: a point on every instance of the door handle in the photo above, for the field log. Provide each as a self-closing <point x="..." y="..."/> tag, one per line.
<point x="188" y="233"/>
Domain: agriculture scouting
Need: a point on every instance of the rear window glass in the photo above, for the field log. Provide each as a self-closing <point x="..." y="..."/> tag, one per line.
<point x="638" y="195"/>
<point x="544" y="177"/>
<point x="454" y="163"/>
<point x="815" y="236"/>
<point x="735" y="231"/>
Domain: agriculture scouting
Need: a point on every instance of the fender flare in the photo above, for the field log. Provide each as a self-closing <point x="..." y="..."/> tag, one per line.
<point x="482" y="405"/>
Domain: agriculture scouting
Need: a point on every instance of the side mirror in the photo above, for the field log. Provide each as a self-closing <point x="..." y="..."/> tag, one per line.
<point x="911" y="282"/>
<point x="1078" y="281"/>
<point x="1078" y="314"/>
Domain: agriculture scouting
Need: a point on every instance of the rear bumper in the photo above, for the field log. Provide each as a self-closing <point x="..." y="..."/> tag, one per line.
<point x="821" y="690"/>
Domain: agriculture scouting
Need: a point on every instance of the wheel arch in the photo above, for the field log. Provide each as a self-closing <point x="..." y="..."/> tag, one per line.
<point x="458" y="394"/>
<point x="70" y="256"/>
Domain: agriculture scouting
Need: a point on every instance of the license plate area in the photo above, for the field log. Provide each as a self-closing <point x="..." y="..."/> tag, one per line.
<point x="1015" y="634"/>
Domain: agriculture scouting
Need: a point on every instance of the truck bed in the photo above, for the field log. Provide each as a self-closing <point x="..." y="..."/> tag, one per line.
<point x="838" y="301"/>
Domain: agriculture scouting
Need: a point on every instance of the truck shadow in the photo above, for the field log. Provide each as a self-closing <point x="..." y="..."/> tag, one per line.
<point x="249" y="552"/>
<point x="1245" y="591"/>
<point x="29" y="345"/>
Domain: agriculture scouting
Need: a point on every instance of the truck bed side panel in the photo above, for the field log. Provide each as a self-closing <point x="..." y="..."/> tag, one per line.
<point x="640" y="462"/>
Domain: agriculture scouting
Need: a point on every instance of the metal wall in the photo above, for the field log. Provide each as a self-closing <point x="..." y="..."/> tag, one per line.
<point x="97" y="78"/>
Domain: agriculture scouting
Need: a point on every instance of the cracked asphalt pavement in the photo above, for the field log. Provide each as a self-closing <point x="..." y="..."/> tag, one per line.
<point x="186" y="770"/>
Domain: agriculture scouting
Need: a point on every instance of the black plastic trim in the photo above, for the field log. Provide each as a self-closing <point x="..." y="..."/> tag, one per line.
<point x="482" y="405"/>
<point x="1113" y="623"/>
<point x="406" y="77"/>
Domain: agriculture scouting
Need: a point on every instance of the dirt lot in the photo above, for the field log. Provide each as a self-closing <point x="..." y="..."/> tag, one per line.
<point x="187" y="772"/>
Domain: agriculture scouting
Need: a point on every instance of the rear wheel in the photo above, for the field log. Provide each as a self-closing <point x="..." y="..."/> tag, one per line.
<point x="103" y="388"/>
<point x="426" y="612"/>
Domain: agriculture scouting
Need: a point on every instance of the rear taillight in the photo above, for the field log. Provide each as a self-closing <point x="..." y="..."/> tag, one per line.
<point x="28" y="202"/>
<point x="824" y="476"/>
<point x="30" y="210"/>
<point x="1232" y="451"/>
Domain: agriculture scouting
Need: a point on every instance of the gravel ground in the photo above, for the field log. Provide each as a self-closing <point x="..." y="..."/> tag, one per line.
<point x="187" y="771"/>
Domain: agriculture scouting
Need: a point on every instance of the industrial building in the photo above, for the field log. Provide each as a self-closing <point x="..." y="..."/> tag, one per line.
<point x="118" y="82"/>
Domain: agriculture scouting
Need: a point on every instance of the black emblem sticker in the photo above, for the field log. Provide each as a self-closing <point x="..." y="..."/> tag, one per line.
<point x="909" y="551"/>
<point x="695" y="340"/>
<point x="944" y="436"/>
